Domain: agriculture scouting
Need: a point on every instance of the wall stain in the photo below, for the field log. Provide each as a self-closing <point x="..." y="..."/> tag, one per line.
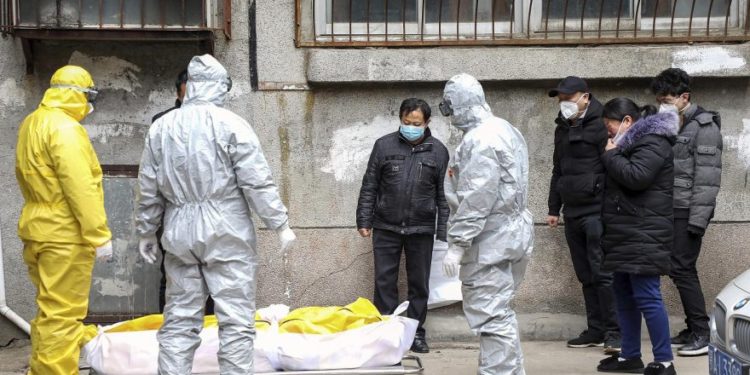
<point x="309" y="125"/>
<point x="284" y="148"/>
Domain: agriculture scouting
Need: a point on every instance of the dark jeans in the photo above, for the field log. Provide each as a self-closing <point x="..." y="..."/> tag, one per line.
<point x="687" y="248"/>
<point x="209" y="309"/>
<point x="387" y="247"/>
<point x="584" y="240"/>
<point x="640" y="296"/>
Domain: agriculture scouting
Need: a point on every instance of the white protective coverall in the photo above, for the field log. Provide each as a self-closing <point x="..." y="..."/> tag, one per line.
<point x="204" y="170"/>
<point x="491" y="222"/>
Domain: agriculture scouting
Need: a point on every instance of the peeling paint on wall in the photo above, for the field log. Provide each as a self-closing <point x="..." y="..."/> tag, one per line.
<point x="705" y="60"/>
<point x="239" y="89"/>
<point x="11" y="95"/>
<point x="109" y="72"/>
<point x="351" y="146"/>
<point x="162" y="96"/>
<point x="741" y="143"/>
<point x="121" y="284"/>
<point x="102" y="132"/>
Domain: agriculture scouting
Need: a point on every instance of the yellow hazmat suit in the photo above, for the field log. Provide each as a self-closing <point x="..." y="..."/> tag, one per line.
<point x="63" y="219"/>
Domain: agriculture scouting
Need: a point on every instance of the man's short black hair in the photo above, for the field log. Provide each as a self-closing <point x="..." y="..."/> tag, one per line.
<point x="672" y="81"/>
<point x="412" y="104"/>
<point x="182" y="79"/>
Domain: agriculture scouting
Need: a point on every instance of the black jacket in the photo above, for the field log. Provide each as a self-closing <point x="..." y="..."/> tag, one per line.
<point x="577" y="184"/>
<point x="697" y="167"/>
<point x="177" y="104"/>
<point x="402" y="190"/>
<point x="637" y="212"/>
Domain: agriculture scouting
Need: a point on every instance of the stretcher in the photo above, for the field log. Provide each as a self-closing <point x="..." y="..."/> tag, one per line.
<point x="354" y="339"/>
<point x="414" y="367"/>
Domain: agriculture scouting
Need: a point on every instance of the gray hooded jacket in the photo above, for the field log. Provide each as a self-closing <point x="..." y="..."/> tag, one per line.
<point x="697" y="167"/>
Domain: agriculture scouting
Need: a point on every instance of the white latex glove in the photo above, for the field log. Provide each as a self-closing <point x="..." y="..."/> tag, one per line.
<point x="149" y="247"/>
<point x="104" y="252"/>
<point x="452" y="260"/>
<point x="286" y="237"/>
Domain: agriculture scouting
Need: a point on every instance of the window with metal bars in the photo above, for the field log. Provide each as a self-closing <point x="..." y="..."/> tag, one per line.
<point x="6" y="16"/>
<point x="114" y="14"/>
<point x="433" y="22"/>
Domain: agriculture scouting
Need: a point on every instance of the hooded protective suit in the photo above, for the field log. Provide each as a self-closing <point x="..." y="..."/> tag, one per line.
<point x="491" y="224"/>
<point x="204" y="170"/>
<point x="63" y="219"/>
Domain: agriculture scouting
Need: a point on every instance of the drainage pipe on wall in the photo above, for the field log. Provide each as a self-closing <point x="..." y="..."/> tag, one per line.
<point x="4" y="309"/>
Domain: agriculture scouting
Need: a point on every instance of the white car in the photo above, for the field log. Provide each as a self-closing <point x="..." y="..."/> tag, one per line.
<point x="729" y="351"/>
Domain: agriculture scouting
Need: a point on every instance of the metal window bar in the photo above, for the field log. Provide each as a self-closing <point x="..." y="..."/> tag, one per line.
<point x="633" y="21"/>
<point x="11" y="18"/>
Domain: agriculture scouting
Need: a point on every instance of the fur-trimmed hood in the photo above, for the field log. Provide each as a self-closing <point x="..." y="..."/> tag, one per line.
<point x="665" y="124"/>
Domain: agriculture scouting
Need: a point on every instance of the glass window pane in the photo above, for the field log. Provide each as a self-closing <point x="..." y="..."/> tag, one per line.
<point x="682" y="8"/>
<point x="48" y="12"/>
<point x="27" y="12"/>
<point x="174" y="10"/>
<point x="111" y="12"/>
<point x="152" y="12"/>
<point x="90" y="12"/>
<point x="133" y="12"/>
<point x="397" y="10"/>
<point x="449" y="10"/>
<point x="194" y="13"/>
<point x="69" y="16"/>
<point x="502" y="10"/>
<point x="589" y="9"/>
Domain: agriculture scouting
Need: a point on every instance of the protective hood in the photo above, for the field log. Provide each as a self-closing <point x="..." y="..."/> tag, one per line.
<point x="466" y="98"/>
<point x="208" y="81"/>
<point x="68" y="99"/>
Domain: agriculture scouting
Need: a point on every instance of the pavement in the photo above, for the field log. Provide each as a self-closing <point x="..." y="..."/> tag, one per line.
<point x="454" y="358"/>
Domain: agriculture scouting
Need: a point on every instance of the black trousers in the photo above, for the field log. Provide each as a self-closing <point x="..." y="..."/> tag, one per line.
<point x="687" y="248"/>
<point x="584" y="241"/>
<point x="387" y="247"/>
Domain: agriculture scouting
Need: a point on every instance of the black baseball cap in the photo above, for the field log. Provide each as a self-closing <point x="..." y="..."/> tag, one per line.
<point x="569" y="85"/>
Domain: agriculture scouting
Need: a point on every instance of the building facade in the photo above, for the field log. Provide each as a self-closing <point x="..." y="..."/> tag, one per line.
<point x="321" y="80"/>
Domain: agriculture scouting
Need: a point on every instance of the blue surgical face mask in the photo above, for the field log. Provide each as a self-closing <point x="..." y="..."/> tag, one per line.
<point x="411" y="133"/>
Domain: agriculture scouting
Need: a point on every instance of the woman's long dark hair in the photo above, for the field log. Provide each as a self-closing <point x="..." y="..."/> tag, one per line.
<point x="618" y="108"/>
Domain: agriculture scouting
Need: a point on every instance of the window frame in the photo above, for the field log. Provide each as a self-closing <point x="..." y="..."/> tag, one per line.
<point x="420" y="29"/>
<point x="528" y="27"/>
<point x="209" y="19"/>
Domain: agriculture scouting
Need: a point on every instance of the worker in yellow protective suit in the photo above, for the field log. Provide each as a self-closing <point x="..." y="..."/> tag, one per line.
<point x="63" y="224"/>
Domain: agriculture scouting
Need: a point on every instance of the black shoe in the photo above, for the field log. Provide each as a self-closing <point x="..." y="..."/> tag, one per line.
<point x="612" y="343"/>
<point x="420" y="345"/>
<point x="586" y="340"/>
<point x="682" y="338"/>
<point x="656" y="368"/>
<point x="613" y="364"/>
<point x="698" y="345"/>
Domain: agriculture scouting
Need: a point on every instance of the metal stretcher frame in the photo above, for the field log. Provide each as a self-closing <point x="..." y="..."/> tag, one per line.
<point x="392" y="370"/>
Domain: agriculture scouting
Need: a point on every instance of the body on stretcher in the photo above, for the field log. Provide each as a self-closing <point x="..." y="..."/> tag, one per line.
<point x="308" y="339"/>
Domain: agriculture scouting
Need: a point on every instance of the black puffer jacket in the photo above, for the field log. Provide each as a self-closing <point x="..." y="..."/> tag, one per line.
<point x="402" y="190"/>
<point x="577" y="184"/>
<point x="637" y="213"/>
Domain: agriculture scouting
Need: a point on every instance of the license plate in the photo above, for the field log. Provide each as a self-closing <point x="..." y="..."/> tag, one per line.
<point x="721" y="363"/>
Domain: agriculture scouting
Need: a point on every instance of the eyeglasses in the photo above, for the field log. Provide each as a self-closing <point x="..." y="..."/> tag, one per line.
<point x="91" y="92"/>
<point x="445" y="108"/>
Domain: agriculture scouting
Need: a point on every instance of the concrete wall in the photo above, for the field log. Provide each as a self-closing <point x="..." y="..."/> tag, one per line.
<point x="317" y="141"/>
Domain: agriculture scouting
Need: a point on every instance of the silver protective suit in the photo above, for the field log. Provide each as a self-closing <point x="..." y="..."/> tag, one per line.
<point x="203" y="170"/>
<point x="491" y="222"/>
